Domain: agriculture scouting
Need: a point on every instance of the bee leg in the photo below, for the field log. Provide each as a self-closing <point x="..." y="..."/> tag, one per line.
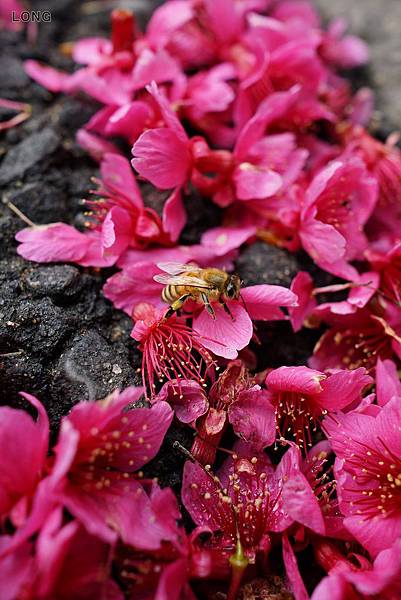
<point x="209" y="307"/>
<point x="227" y="310"/>
<point x="176" y="305"/>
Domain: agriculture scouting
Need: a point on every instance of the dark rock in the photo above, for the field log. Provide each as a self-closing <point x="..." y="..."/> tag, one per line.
<point x="20" y="372"/>
<point x="153" y="198"/>
<point x="202" y="214"/>
<point x="60" y="282"/>
<point x="279" y="345"/>
<point x="28" y="153"/>
<point x="73" y="113"/>
<point x="263" y="263"/>
<point x="90" y="368"/>
<point x="13" y="76"/>
<point x="40" y="201"/>
<point x="35" y="325"/>
<point x="167" y="466"/>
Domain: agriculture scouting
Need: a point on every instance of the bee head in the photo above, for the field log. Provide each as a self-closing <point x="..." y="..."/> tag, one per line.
<point x="233" y="287"/>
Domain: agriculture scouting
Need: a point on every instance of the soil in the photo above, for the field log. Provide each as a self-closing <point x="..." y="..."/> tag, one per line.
<point x="60" y="339"/>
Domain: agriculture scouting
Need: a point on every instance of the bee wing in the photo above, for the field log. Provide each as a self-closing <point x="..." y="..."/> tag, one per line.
<point x="175" y="268"/>
<point x="182" y="280"/>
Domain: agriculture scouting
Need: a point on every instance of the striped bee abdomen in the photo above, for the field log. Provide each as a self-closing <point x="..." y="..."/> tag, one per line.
<point x="170" y="293"/>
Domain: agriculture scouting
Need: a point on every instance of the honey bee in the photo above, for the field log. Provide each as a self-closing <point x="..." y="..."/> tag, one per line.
<point x="184" y="282"/>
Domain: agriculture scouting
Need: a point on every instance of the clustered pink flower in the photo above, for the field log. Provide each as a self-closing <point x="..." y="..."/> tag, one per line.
<point x="239" y="102"/>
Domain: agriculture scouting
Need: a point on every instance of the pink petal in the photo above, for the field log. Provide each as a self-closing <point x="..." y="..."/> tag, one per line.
<point x="96" y="146"/>
<point x="342" y="388"/>
<point x="50" y="78"/>
<point x="128" y="121"/>
<point x="255" y="183"/>
<point x="292" y="570"/>
<point x="225" y="239"/>
<point x="162" y="158"/>
<point x="224" y="336"/>
<point x="52" y="243"/>
<point x="116" y="231"/>
<point x="169" y="116"/>
<point x="166" y="19"/>
<point x="91" y="50"/>
<point x="295" y="379"/>
<point x="190" y="404"/>
<point x="209" y="91"/>
<point x="374" y="534"/>
<point x="299" y="501"/>
<point x="158" y="67"/>
<point x="322" y="242"/>
<point x="172" y="580"/>
<point x="263" y="301"/>
<point x="302" y="286"/>
<point x="192" y="497"/>
<point x="59" y="242"/>
<point x="16" y="569"/>
<point x="23" y="448"/>
<point x="174" y="215"/>
<point x="388" y="384"/>
<point x="107" y="90"/>
<point x="225" y="12"/>
<point x="253" y="418"/>
<point x="144" y="428"/>
<point x="118" y="177"/>
<point x="333" y="586"/>
<point x="270" y="109"/>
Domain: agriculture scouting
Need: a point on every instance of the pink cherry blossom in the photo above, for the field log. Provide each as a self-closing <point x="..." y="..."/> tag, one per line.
<point x="368" y="460"/>
<point x="360" y="294"/>
<point x="122" y="213"/>
<point x="357" y="340"/>
<point x="380" y="579"/>
<point x="98" y="450"/>
<point x="337" y="204"/>
<point x="117" y="220"/>
<point x="167" y="573"/>
<point x="207" y="501"/>
<point x="171" y="350"/>
<point x="301" y="396"/>
<point x="188" y="405"/>
<point x="384" y="162"/>
<point x="388" y="265"/>
<point x="234" y="398"/>
<point x="247" y="501"/>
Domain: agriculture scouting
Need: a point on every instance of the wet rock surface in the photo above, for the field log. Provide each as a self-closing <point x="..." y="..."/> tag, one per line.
<point x="262" y="263"/>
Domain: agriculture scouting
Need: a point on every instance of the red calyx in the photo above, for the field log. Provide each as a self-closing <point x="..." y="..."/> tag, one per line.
<point x="122" y="30"/>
